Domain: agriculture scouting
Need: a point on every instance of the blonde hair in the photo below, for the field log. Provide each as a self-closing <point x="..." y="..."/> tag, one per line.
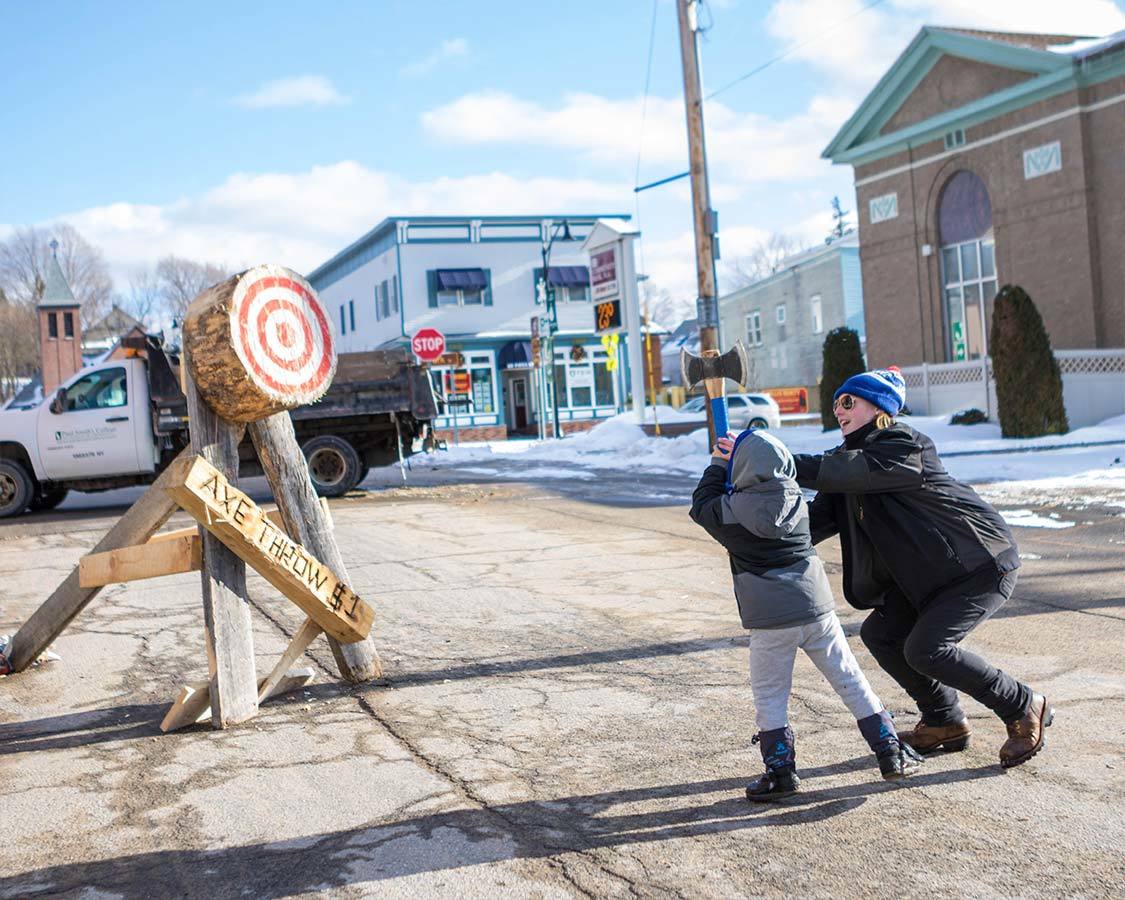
<point x="883" y="420"/>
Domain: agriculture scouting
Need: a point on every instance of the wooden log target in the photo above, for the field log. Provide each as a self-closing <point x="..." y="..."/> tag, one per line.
<point x="259" y="343"/>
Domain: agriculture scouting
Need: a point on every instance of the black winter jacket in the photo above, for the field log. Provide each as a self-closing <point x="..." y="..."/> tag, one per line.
<point x="902" y="519"/>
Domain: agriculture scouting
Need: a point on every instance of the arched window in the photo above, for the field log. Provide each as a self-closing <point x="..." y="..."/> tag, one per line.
<point x="968" y="263"/>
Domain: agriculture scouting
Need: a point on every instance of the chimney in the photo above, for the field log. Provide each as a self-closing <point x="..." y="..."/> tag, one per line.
<point x="60" y="328"/>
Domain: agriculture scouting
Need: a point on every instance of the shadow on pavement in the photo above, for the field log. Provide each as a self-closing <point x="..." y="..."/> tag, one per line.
<point x="455" y="839"/>
<point x="131" y="721"/>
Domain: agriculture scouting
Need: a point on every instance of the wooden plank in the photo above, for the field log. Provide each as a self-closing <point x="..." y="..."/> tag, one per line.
<point x="240" y="524"/>
<point x="272" y="513"/>
<point x="226" y="604"/>
<point x="297" y="646"/>
<point x="151" y="560"/>
<point x="193" y="703"/>
<point x="136" y="526"/>
<point x="310" y="523"/>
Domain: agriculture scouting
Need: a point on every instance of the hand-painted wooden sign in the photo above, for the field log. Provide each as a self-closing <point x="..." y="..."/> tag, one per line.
<point x="243" y="526"/>
<point x="260" y="343"/>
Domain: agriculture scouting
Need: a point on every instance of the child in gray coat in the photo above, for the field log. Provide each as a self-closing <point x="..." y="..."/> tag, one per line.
<point x="748" y="501"/>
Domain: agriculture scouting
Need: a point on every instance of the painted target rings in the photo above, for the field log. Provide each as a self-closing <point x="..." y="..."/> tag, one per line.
<point x="281" y="334"/>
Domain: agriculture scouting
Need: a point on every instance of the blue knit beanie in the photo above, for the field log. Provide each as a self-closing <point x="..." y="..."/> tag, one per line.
<point x="883" y="387"/>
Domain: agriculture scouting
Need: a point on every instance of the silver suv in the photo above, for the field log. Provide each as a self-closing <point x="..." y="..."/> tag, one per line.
<point x="744" y="410"/>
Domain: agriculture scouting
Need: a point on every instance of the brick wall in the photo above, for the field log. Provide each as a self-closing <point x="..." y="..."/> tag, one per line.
<point x="1055" y="234"/>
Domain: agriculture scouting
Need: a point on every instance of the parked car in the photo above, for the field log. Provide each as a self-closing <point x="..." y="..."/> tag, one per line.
<point x="743" y="410"/>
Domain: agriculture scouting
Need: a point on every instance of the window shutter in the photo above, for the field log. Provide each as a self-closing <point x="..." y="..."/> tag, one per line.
<point x="431" y="286"/>
<point x="488" y="289"/>
<point x="378" y="312"/>
<point x="394" y="294"/>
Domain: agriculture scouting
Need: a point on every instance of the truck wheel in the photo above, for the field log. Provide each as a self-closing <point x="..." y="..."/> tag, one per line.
<point x="333" y="464"/>
<point x="16" y="489"/>
<point x="48" y="498"/>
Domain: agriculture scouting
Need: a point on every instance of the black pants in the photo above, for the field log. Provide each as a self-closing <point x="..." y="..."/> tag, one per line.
<point x="919" y="650"/>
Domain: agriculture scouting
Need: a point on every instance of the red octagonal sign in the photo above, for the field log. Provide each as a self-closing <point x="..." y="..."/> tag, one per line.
<point x="428" y="344"/>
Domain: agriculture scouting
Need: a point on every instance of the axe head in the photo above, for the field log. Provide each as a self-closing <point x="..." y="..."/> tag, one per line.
<point x="734" y="364"/>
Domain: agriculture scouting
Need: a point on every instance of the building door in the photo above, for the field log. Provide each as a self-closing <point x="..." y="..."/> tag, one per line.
<point x="968" y="265"/>
<point x="518" y="412"/>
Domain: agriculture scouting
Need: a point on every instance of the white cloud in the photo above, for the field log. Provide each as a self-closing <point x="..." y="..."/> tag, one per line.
<point x="856" y="46"/>
<point x="457" y="48"/>
<point x="301" y="219"/>
<point x="742" y="147"/>
<point x="302" y="90"/>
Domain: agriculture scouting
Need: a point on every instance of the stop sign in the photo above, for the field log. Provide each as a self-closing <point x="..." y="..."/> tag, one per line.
<point x="428" y="344"/>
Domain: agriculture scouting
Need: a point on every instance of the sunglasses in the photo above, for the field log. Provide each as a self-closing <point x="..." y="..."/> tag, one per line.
<point x="847" y="401"/>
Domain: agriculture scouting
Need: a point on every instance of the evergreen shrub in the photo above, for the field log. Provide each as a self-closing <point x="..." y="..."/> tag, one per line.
<point x="972" y="416"/>
<point x="843" y="358"/>
<point x="1028" y="383"/>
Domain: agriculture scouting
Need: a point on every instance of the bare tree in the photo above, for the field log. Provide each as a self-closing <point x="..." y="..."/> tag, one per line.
<point x="23" y="263"/>
<point x="145" y="299"/>
<point x="181" y="280"/>
<point x="19" y="345"/>
<point x="660" y="306"/>
<point x="763" y="260"/>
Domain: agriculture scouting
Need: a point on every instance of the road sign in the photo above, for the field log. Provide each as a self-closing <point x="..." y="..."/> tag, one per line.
<point x="535" y="340"/>
<point x="607" y="316"/>
<point x="428" y="344"/>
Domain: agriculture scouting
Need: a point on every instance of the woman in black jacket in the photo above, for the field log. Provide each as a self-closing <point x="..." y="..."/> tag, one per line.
<point x="929" y="556"/>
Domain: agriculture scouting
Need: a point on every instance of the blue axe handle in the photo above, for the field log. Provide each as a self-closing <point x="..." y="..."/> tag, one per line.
<point x="719" y="414"/>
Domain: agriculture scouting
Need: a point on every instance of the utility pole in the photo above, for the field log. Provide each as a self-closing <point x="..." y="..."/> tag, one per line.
<point x="705" y="219"/>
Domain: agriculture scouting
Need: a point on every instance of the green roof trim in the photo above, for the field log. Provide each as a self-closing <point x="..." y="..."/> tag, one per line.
<point x="56" y="292"/>
<point x="859" y="141"/>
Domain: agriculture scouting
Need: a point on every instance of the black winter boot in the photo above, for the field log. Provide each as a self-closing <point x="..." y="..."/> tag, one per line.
<point x="780" y="756"/>
<point x="896" y="759"/>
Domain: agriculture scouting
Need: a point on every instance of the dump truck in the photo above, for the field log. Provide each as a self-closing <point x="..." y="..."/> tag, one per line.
<point x="121" y="421"/>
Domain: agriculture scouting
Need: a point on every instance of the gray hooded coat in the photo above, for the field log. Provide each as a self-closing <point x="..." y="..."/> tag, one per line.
<point x="761" y="518"/>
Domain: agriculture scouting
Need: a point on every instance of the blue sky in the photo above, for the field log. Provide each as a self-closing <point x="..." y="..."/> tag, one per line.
<point x="241" y="133"/>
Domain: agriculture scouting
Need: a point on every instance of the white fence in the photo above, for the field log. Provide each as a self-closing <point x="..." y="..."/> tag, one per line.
<point x="1093" y="386"/>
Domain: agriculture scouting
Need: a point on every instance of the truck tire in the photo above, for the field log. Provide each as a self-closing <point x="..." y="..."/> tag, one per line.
<point x="48" y="498"/>
<point x="759" y="422"/>
<point x="333" y="465"/>
<point x="16" y="488"/>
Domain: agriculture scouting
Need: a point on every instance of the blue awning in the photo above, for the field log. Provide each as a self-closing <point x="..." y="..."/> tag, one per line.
<point x="461" y="280"/>
<point x="568" y="276"/>
<point x="514" y="355"/>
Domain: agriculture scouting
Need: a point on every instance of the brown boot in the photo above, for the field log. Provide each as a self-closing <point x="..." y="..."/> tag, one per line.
<point x="1025" y="734"/>
<point x="931" y="738"/>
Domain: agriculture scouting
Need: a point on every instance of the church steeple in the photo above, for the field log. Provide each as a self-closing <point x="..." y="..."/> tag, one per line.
<point x="60" y="330"/>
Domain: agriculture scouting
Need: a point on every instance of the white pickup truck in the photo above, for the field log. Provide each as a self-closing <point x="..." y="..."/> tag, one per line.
<point x="120" y="422"/>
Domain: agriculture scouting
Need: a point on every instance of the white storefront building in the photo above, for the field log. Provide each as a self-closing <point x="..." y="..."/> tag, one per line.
<point x="475" y="280"/>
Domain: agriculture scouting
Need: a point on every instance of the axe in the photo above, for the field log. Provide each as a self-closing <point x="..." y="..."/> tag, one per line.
<point x="713" y="369"/>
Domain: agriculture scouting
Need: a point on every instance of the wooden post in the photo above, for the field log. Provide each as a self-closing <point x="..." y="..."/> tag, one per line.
<point x="307" y="523"/>
<point x="70" y="598"/>
<point x="226" y="604"/>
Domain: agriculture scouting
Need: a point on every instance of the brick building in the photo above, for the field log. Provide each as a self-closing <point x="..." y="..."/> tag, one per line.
<point x="982" y="159"/>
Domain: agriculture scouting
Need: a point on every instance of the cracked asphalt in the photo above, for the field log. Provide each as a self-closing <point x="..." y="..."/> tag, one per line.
<point x="565" y="713"/>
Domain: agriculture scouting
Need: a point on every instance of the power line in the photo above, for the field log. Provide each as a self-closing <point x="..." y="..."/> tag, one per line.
<point x="641" y="136"/>
<point x="794" y="49"/>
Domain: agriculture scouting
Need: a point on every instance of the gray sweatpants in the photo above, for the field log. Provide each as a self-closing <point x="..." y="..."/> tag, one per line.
<point x="773" y="652"/>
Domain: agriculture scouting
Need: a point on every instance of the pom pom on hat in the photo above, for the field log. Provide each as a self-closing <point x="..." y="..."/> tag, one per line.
<point x="883" y="387"/>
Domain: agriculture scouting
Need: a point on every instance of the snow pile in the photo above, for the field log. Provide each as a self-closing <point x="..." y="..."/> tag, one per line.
<point x="620" y="443"/>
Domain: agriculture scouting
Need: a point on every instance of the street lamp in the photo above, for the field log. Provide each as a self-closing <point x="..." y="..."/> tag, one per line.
<point x="552" y="316"/>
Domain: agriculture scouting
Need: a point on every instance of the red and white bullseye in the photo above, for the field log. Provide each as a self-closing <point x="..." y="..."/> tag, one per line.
<point x="281" y="333"/>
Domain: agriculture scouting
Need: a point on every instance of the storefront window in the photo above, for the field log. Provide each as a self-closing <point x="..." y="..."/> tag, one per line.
<point x="468" y="387"/>
<point x="586" y="382"/>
